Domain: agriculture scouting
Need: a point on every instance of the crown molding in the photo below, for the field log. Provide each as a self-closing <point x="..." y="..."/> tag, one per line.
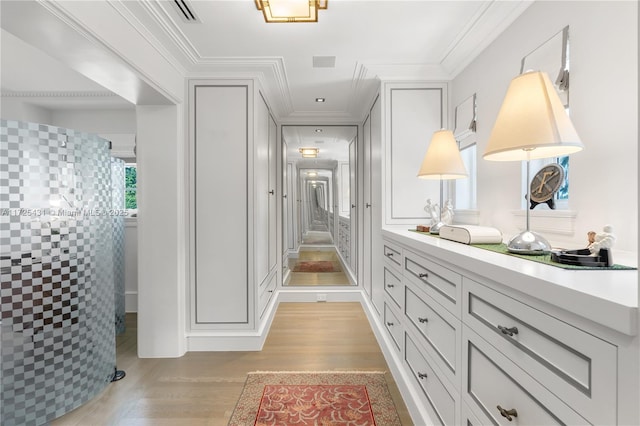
<point x="490" y="21"/>
<point x="62" y="94"/>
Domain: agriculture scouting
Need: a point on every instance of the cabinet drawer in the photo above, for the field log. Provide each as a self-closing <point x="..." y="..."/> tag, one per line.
<point x="575" y="365"/>
<point x="393" y="326"/>
<point x="265" y="294"/>
<point x="393" y="286"/>
<point x="440" y="402"/>
<point x="492" y="380"/>
<point x="443" y="284"/>
<point x="393" y="253"/>
<point x="438" y="328"/>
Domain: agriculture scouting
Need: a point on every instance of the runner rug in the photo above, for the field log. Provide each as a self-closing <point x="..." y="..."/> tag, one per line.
<point x="331" y="398"/>
<point x="315" y="266"/>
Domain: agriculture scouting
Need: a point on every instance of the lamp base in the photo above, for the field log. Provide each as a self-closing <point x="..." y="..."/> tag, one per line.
<point x="435" y="229"/>
<point x="529" y="242"/>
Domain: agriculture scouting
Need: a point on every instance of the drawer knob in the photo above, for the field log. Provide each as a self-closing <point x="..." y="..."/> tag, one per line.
<point x="422" y="375"/>
<point x="390" y="324"/>
<point x="390" y="286"/>
<point x="423" y="320"/>
<point x="423" y="275"/>
<point x="389" y="254"/>
<point x="507" y="414"/>
<point x="272" y="192"/>
<point x="509" y="331"/>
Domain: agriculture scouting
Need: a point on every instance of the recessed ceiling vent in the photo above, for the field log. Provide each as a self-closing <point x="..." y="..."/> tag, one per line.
<point x="324" y="61"/>
<point x="185" y="10"/>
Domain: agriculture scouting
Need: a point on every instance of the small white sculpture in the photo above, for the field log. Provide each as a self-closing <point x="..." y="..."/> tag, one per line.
<point x="432" y="212"/>
<point x="604" y="239"/>
<point x="447" y="213"/>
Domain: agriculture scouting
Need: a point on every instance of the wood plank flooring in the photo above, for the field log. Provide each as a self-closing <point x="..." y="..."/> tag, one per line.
<point x="201" y="388"/>
<point x="314" y="278"/>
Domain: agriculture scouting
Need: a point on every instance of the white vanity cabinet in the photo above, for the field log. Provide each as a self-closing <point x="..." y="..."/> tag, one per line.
<point x="493" y="339"/>
<point x="232" y="161"/>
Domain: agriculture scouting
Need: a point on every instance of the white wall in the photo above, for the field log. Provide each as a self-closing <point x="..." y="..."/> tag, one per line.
<point x="18" y="109"/>
<point x="604" y="109"/>
<point x="97" y="121"/>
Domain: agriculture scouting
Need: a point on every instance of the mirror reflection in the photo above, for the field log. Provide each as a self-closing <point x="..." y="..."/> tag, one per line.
<point x="319" y="216"/>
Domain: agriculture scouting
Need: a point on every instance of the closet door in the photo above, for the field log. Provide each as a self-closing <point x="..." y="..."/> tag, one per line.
<point x="220" y="144"/>
<point x="262" y="197"/>
<point x="367" y="227"/>
<point x="273" y="165"/>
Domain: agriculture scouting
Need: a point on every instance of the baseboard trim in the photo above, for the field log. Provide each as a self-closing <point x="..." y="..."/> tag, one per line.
<point x="410" y="395"/>
<point x="131" y="301"/>
<point x="234" y="340"/>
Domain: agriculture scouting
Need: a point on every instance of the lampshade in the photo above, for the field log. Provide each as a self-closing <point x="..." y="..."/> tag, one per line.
<point x="291" y="10"/>
<point x="442" y="160"/>
<point x="309" y="152"/>
<point x="532" y="123"/>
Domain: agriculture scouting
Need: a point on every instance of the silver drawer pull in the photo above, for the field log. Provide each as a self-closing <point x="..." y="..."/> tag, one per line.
<point x="508" y="413"/>
<point x="423" y="320"/>
<point x="272" y="192"/>
<point x="390" y="286"/>
<point x="270" y="291"/>
<point x="389" y="254"/>
<point x="422" y="375"/>
<point x="423" y="275"/>
<point x="509" y="331"/>
<point x="390" y="324"/>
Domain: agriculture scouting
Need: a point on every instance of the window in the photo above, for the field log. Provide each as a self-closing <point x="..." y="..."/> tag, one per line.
<point x="130" y="187"/>
<point x="465" y="190"/>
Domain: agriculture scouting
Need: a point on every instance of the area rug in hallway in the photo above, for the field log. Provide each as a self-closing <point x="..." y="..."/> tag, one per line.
<point x="327" y="398"/>
<point x="315" y="266"/>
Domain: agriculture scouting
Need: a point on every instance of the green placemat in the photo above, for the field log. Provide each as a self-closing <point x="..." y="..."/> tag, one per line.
<point x="545" y="258"/>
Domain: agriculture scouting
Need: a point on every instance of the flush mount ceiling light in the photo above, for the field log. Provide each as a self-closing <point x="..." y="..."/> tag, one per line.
<point x="309" y="152"/>
<point x="318" y="130"/>
<point x="291" y="10"/>
<point x="312" y="174"/>
<point x="320" y="99"/>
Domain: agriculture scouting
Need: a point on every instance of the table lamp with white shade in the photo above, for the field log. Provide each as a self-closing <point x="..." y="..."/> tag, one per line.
<point x="442" y="161"/>
<point x="532" y="124"/>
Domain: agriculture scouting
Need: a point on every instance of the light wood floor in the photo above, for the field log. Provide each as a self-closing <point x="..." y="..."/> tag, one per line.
<point x="201" y="388"/>
<point x="317" y="278"/>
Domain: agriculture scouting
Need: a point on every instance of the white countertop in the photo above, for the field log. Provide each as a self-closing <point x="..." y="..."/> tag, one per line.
<point x="608" y="297"/>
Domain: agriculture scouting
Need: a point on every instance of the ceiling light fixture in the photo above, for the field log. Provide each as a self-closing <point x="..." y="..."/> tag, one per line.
<point x="320" y="99"/>
<point x="309" y="152"/>
<point x="291" y="10"/>
<point x="318" y="130"/>
<point x="312" y="174"/>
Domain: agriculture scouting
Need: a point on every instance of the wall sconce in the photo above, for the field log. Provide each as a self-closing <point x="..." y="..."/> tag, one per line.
<point x="291" y="10"/>
<point x="309" y="152"/>
<point x="532" y="123"/>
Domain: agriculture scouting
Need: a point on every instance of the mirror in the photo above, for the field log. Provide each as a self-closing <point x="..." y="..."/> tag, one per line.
<point x="319" y="205"/>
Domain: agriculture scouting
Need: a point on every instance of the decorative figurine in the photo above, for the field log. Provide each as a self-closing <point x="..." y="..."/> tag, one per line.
<point x="432" y="211"/>
<point x="447" y="213"/>
<point x="602" y="240"/>
<point x="597" y="254"/>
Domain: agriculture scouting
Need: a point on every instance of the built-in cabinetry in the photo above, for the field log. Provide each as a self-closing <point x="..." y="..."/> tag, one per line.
<point x="344" y="238"/>
<point x="396" y="134"/>
<point x="486" y="338"/>
<point x="232" y="147"/>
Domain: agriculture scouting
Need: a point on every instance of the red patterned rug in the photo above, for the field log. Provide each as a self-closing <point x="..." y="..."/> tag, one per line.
<point x="315" y="266"/>
<point x="315" y="398"/>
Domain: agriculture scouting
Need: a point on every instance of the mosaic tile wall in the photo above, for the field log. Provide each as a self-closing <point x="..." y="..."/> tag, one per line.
<point x="56" y="235"/>
<point x="117" y="197"/>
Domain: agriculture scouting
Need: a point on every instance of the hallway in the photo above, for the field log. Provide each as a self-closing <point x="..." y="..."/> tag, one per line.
<point x="337" y="278"/>
<point x="201" y="388"/>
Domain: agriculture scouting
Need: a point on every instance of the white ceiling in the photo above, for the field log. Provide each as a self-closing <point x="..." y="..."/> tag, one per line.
<point x="371" y="40"/>
<point x="332" y="141"/>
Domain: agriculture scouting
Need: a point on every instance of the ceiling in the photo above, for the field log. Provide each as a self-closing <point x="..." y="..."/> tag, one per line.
<point x="369" y="40"/>
<point x="332" y="141"/>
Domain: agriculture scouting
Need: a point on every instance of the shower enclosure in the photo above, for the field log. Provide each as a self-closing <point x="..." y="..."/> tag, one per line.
<point x="57" y="270"/>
